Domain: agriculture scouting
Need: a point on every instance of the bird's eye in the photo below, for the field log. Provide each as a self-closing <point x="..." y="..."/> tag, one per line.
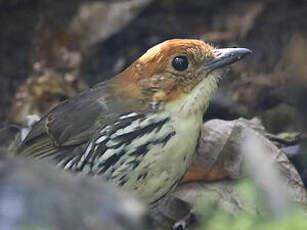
<point x="180" y="63"/>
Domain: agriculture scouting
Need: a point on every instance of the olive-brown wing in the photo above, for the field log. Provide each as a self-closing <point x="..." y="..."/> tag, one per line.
<point x="73" y="122"/>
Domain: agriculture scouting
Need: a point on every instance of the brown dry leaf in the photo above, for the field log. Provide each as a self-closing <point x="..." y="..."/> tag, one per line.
<point x="219" y="155"/>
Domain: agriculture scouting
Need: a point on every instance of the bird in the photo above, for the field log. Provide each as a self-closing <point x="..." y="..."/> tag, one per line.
<point x="140" y="129"/>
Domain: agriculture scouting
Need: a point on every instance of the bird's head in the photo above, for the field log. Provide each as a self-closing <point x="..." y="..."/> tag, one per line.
<point x="180" y="72"/>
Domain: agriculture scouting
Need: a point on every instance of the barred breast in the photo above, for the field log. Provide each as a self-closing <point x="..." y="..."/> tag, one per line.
<point x="146" y="155"/>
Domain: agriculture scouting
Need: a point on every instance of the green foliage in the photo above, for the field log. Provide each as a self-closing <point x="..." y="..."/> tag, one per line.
<point x="216" y="217"/>
<point x="223" y="221"/>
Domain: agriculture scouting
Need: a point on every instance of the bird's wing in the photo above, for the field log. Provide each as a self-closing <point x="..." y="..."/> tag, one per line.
<point x="121" y="146"/>
<point x="73" y="122"/>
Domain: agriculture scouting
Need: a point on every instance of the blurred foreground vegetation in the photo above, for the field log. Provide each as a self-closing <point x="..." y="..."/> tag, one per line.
<point x="258" y="217"/>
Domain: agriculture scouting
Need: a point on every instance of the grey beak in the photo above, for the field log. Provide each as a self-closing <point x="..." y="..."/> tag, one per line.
<point x="226" y="57"/>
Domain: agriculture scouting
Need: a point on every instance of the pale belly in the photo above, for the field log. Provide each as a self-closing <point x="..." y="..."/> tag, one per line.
<point x="163" y="166"/>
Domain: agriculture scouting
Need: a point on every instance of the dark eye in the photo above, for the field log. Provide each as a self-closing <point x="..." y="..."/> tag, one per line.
<point x="180" y="63"/>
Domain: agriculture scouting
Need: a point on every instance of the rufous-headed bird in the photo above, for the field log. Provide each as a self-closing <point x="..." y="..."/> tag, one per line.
<point x="139" y="129"/>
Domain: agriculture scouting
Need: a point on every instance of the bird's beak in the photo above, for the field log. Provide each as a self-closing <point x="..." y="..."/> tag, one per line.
<point x="226" y="56"/>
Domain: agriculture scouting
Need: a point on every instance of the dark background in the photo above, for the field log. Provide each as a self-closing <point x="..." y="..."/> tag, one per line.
<point x="274" y="30"/>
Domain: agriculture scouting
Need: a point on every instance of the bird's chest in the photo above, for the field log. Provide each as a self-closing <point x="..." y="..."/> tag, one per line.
<point x="163" y="167"/>
<point x="147" y="155"/>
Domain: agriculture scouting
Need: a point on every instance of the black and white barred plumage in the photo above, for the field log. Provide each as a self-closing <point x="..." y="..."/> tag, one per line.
<point x="121" y="146"/>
